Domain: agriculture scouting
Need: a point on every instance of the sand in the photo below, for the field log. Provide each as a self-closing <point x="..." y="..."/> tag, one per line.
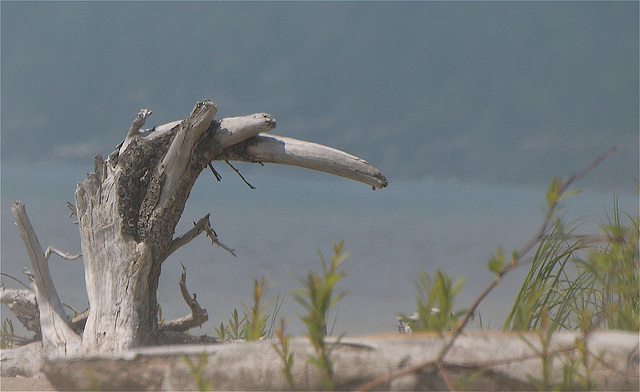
<point x="25" y="384"/>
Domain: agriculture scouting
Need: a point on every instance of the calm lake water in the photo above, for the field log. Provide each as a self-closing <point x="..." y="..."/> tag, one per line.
<point x="278" y="229"/>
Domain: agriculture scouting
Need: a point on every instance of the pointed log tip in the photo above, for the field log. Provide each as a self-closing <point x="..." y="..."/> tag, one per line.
<point x="18" y="207"/>
<point x="375" y="178"/>
<point x="206" y="104"/>
<point x="383" y="181"/>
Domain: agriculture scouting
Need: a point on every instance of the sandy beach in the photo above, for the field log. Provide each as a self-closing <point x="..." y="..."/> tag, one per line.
<point x="25" y="384"/>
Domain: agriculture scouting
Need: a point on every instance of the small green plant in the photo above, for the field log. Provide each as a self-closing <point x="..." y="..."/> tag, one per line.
<point x="197" y="372"/>
<point x="234" y="328"/>
<point x="255" y="319"/>
<point x="544" y="335"/>
<point x="7" y="334"/>
<point x="253" y="323"/>
<point x="579" y="282"/>
<point x="612" y="273"/>
<point x="317" y="298"/>
<point x="282" y="348"/>
<point x="222" y="332"/>
<point x="435" y="298"/>
<point x="576" y="367"/>
<point x="574" y="275"/>
<point x="548" y="285"/>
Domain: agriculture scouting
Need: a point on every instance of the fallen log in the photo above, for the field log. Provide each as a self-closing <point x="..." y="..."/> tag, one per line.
<point x="477" y="361"/>
<point x="25" y="361"/>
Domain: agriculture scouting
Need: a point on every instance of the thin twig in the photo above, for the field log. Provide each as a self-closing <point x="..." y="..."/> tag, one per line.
<point x="500" y="362"/>
<point x="74" y="211"/>
<point x="16" y="279"/>
<point x="203" y="225"/>
<point x="187" y="237"/>
<point x="610" y="366"/>
<point x="215" y="173"/>
<point x="445" y="376"/>
<point x="60" y="253"/>
<point x="590" y="168"/>
<point x="214" y="239"/>
<point x="74" y="310"/>
<point x="238" y="173"/>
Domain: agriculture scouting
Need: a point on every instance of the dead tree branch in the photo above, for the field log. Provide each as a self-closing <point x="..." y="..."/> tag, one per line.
<point x="23" y="304"/>
<point x="203" y="225"/>
<point x="187" y="237"/>
<point x="198" y="314"/>
<point x="57" y="336"/>
<point x="60" y="253"/>
<point x="293" y="152"/>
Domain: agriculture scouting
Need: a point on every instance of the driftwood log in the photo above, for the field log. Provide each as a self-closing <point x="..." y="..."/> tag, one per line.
<point x="478" y="361"/>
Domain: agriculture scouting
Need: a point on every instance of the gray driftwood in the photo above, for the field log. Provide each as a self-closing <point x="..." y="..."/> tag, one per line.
<point x="484" y="360"/>
<point x="127" y="210"/>
<point x="129" y="207"/>
<point x="58" y="338"/>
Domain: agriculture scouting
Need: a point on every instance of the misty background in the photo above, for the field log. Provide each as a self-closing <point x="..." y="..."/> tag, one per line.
<point x="468" y="108"/>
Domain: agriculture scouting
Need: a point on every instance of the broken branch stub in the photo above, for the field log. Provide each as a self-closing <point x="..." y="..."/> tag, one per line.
<point x="198" y="314"/>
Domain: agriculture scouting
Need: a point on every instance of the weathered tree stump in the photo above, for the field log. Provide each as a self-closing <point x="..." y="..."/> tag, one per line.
<point x="127" y="211"/>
